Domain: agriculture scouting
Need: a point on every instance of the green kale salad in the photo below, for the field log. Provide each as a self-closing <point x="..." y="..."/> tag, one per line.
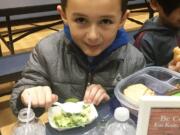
<point x="70" y="120"/>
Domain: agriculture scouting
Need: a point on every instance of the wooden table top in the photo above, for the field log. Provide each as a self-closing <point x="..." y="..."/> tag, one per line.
<point x="7" y="130"/>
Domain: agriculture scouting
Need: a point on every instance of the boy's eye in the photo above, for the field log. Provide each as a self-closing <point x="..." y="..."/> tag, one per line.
<point x="106" y="21"/>
<point x="80" y="20"/>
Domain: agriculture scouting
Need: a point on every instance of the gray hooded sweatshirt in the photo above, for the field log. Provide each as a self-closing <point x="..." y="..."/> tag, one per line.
<point x="156" y="42"/>
<point x="56" y="63"/>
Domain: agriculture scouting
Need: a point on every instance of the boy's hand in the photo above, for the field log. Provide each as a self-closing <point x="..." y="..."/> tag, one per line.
<point x="175" y="66"/>
<point x="95" y="94"/>
<point x="41" y="96"/>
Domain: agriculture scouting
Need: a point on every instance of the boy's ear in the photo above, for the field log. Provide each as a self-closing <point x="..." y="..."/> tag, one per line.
<point x="62" y="14"/>
<point x="154" y="5"/>
<point x="123" y="18"/>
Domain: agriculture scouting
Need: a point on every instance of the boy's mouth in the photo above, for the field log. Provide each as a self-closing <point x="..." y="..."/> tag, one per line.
<point x="93" y="46"/>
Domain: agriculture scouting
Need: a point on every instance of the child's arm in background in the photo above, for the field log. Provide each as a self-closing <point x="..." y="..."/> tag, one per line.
<point x="174" y="64"/>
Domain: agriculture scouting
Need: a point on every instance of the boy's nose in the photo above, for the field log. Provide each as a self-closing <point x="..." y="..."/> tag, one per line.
<point x="93" y="35"/>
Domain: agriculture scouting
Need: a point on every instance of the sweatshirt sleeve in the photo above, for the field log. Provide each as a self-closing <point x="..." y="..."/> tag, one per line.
<point x="147" y="50"/>
<point x="34" y="74"/>
<point x="145" y="44"/>
<point x="137" y="59"/>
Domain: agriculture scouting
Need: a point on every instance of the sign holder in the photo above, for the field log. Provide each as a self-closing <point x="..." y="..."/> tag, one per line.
<point x="159" y="115"/>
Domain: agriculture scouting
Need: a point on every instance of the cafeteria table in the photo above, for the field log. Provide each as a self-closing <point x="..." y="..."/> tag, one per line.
<point x="11" y="8"/>
<point x="105" y="111"/>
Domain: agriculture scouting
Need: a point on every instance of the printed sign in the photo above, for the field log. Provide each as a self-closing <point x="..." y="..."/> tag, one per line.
<point x="164" y="121"/>
<point x="159" y="115"/>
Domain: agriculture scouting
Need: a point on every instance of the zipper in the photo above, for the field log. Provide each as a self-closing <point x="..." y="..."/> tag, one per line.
<point x="89" y="78"/>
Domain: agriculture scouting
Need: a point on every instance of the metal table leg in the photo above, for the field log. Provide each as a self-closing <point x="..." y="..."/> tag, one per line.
<point x="0" y="51"/>
<point x="151" y="11"/>
<point x="10" y="42"/>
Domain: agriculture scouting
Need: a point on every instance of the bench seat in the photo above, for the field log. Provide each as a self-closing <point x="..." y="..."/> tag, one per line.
<point x="11" y="66"/>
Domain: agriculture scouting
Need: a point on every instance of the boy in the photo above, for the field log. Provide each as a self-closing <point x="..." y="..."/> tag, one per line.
<point x="83" y="61"/>
<point x="161" y="34"/>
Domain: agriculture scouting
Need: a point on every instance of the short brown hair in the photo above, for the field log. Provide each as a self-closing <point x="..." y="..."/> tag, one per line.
<point x="169" y="6"/>
<point x="123" y="5"/>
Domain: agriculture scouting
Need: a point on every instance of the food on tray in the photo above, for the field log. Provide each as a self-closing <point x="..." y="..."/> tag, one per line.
<point x="175" y="92"/>
<point x="64" y="119"/>
<point x="135" y="91"/>
<point x="176" y="56"/>
<point x="74" y="100"/>
<point x="70" y="115"/>
<point x="178" y="86"/>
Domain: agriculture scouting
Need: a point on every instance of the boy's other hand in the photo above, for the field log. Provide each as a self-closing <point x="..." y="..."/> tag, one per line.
<point x="174" y="66"/>
<point x="95" y="94"/>
<point x="41" y="96"/>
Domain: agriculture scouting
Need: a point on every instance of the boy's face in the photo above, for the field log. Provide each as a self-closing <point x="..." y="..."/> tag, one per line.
<point x="93" y="24"/>
<point x="172" y="20"/>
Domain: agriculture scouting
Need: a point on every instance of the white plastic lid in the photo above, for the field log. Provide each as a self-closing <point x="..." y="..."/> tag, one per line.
<point x="22" y="116"/>
<point x="121" y="114"/>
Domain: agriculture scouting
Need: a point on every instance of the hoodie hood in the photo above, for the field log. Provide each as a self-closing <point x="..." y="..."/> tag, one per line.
<point x="154" y="25"/>
<point x="157" y="41"/>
